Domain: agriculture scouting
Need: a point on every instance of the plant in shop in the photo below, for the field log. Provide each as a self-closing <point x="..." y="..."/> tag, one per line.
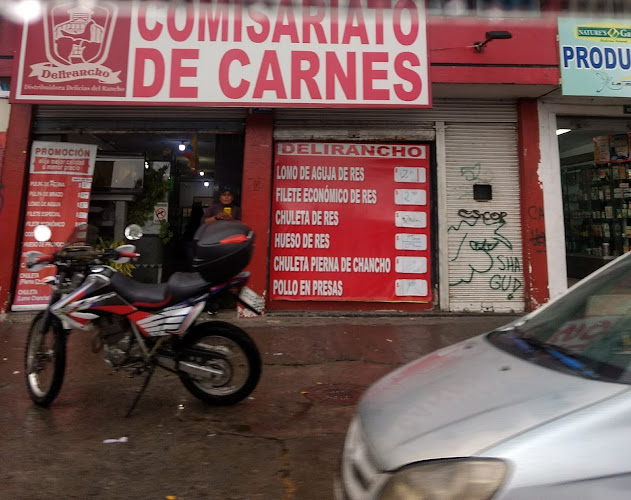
<point x="128" y="268"/>
<point x="154" y="189"/>
<point x="165" y="231"/>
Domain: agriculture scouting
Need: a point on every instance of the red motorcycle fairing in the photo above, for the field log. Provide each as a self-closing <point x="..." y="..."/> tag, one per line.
<point x="68" y="308"/>
<point x="98" y="294"/>
<point x="173" y="320"/>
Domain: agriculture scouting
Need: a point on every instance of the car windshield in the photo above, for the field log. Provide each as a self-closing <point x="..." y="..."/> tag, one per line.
<point x="587" y="332"/>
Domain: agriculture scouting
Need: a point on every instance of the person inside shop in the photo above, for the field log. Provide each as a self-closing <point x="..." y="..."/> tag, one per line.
<point x="226" y="209"/>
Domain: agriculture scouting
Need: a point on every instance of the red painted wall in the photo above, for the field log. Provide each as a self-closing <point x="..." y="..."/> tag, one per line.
<point x="532" y="212"/>
<point x="531" y="56"/>
<point x="8" y="46"/>
<point x="8" y="37"/>
<point x="13" y="178"/>
<point x="256" y="192"/>
<point x="451" y="40"/>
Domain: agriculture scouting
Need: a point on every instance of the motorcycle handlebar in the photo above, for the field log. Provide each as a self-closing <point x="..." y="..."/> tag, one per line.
<point x="84" y="255"/>
<point x="40" y="260"/>
<point x="131" y="255"/>
<point x="114" y="254"/>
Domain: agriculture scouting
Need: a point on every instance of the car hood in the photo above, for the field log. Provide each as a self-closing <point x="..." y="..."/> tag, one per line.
<point x="464" y="398"/>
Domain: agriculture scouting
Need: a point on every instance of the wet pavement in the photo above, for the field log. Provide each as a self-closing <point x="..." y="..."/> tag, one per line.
<point x="282" y="443"/>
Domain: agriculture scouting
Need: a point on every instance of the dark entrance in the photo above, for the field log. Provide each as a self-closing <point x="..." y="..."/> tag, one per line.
<point x="155" y="167"/>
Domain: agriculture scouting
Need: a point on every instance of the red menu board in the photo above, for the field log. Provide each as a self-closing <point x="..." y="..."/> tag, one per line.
<point x="351" y="221"/>
<point x="60" y="179"/>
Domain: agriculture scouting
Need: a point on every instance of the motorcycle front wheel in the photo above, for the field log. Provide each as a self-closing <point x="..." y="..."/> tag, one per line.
<point x="45" y="359"/>
<point x="235" y="373"/>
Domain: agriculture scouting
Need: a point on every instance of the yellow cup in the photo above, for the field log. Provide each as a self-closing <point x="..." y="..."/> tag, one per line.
<point x="228" y="210"/>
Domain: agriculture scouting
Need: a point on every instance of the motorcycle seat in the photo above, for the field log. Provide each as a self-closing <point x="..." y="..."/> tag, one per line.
<point x="178" y="288"/>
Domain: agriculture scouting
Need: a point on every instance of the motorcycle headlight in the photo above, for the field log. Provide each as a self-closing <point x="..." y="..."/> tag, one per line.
<point x="466" y="478"/>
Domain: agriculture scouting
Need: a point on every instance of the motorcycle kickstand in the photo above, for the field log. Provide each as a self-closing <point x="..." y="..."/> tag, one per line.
<point x="150" y="371"/>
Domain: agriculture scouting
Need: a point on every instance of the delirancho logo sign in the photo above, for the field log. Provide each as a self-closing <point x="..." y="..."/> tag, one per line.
<point x="70" y="54"/>
<point x="77" y="42"/>
<point x="595" y="57"/>
<point x="273" y="54"/>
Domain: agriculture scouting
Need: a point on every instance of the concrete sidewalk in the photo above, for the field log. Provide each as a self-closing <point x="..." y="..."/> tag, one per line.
<point x="282" y="443"/>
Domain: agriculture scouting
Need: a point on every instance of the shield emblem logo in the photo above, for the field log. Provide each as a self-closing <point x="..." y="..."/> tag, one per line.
<point x="79" y="34"/>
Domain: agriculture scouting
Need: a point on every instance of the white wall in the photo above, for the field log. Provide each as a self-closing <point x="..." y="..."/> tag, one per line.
<point x="550" y="180"/>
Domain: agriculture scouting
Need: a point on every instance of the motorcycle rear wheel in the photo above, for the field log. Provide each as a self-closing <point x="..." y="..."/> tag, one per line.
<point x="239" y="370"/>
<point x="45" y="359"/>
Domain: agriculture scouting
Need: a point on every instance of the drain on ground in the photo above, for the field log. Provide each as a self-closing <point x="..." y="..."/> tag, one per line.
<point x="340" y="394"/>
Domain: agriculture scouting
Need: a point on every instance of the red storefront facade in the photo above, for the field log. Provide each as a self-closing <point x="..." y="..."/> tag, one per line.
<point x="520" y="69"/>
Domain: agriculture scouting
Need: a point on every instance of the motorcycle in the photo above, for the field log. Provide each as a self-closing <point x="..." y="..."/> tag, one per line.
<point x="139" y="326"/>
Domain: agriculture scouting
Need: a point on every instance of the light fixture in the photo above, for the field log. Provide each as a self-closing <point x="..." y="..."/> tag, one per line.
<point x="492" y="35"/>
<point x="182" y="146"/>
<point x="201" y="173"/>
<point x="146" y="165"/>
<point x="206" y="184"/>
<point x="561" y="131"/>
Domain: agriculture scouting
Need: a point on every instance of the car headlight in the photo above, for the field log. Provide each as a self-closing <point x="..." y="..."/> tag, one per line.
<point x="466" y="478"/>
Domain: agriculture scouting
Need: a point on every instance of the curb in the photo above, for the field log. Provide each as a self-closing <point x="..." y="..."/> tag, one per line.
<point x="291" y="316"/>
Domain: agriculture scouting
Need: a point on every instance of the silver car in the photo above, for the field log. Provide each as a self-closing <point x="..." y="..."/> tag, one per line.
<point x="540" y="408"/>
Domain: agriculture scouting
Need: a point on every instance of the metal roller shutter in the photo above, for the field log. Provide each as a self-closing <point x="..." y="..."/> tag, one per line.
<point x="485" y="241"/>
<point x="352" y="124"/>
<point x="387" y="124"/>
<point x="473" y="111"/>
<point x="121" y="119"/>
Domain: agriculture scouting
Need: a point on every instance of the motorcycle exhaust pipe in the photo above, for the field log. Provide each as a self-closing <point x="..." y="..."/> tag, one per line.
<point x="196" y="370"/>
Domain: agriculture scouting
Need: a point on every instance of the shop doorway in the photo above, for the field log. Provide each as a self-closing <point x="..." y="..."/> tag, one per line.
<point x="596" y="189"/>
<point x="162" y="180"/>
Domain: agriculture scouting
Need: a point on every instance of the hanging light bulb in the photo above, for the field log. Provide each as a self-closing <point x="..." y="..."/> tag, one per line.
<point x="206" y="184"/>
<point x="182" y="147"/>
<point x="201" y="173"/>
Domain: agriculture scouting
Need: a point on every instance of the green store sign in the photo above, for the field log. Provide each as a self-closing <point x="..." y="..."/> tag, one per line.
<point x="604" y="33"/>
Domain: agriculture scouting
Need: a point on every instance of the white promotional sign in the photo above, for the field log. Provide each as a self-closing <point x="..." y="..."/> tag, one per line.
<point x="161" y="212"/>
<point x="60" y="181"/>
